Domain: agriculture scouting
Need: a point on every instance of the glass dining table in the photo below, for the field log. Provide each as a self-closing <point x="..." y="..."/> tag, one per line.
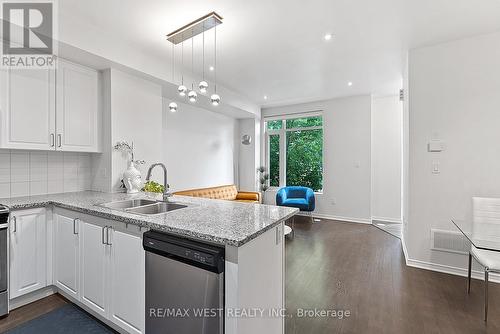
<point x="480" y="242"/>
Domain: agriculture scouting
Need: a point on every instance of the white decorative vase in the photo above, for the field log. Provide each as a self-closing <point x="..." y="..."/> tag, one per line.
<point x="132" y="179"/>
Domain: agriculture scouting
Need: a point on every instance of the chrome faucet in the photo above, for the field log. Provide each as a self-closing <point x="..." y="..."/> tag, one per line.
<point x="166" y="193"/>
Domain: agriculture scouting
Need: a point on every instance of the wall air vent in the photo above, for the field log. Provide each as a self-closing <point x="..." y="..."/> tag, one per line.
<point x="449" y="241"/>
<point x="401" y="94"/>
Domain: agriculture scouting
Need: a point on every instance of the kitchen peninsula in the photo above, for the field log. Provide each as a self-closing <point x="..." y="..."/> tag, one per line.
<point x="93" y="255"/>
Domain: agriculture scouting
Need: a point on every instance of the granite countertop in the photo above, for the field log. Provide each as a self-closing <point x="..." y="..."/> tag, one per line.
<point x="215" y="221"/>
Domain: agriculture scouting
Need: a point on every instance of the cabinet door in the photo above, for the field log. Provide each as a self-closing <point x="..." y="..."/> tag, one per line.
<point x="127" y="278"/>
<point x="28" y="257"/>
<point x="27" y="109"/>
<point x="78" y="123"/>
<point x="66" y="252"/>
<point x="94" y="265"/>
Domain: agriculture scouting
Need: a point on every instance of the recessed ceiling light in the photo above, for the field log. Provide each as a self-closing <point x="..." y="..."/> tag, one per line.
<point x="328" y="37"/>
<point x="349" y="84"/>
<point x="265" y="97"/>
<point x="211" y="68"/>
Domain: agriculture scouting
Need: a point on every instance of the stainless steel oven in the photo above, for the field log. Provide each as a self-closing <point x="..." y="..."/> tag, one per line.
<point x="4" y="272"/>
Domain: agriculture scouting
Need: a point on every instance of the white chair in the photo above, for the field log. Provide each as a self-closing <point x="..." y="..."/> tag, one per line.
<point x="485" y="226"/>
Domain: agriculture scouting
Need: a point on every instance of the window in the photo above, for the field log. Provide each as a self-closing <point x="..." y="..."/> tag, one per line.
<point x="295" y="152"/>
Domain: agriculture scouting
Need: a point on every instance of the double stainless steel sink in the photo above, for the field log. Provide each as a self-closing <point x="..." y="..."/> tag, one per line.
<point x="143" y="206"/>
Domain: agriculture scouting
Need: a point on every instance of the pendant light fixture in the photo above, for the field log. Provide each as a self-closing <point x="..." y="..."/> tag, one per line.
<point x="173" y="106"/>
<point x="189" y="31"/>
<point x="192" y="96"/>
<point x="203" y="85"/>
<point x="215" y="98"/>
<point x="182" y="89"/>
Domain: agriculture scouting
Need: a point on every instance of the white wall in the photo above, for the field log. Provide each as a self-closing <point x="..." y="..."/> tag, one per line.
<point x="249" y="155"/>
<point x="199" y="148"/>
<point x="136" y="115"/>
<point x="347" y="151"/>
<point x="132" y="112"/>
<point x="29" y="173"/>
<point x="454" y="97"/>
<point x="386" y="158"/>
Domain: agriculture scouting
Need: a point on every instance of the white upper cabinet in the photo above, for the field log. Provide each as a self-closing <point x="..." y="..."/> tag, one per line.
<point x="57" y="109"/>
<point x="77" y="108"/>
<point x="28" y="259"/>
<point x="28" y="109"/>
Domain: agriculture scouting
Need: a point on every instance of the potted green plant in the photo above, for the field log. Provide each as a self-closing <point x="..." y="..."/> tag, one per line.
<point x="153" y="190"/>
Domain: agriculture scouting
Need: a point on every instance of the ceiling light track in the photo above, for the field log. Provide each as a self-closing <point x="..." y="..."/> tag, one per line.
<point x="194" y="28"/>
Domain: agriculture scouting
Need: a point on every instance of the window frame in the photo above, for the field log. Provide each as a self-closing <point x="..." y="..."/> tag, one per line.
<point x="282" y="138"/>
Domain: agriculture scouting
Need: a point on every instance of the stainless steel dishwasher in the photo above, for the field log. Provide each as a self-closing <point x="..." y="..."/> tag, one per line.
<point x="184" y="286"/>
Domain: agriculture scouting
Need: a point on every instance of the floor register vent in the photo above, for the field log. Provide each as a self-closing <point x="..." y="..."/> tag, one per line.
<point x="449" y="241"/>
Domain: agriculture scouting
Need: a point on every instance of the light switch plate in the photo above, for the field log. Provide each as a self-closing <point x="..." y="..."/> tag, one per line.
<point x="435" y="146"/>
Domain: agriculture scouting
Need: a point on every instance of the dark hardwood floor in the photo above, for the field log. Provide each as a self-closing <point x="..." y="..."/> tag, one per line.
<point x="31" y="311"/>
<point x="335" y="265"/>
<point x="359" y="268"/>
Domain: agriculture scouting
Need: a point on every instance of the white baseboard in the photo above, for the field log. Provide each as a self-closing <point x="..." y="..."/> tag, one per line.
<point x="403" y="246"/>
<point x="31" y="297"/>
<point x="441" y="268"/>
<point x="387" y="219"/>
<point x="332" y="217"/>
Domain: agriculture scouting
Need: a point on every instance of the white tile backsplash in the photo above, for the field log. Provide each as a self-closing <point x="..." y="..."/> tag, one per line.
<point x="5" y="189"/>
<point x="28" y="173"/>
<point x="4" y="160"/>
<point x="19" y="189"/>
<point x="4" y="175"/>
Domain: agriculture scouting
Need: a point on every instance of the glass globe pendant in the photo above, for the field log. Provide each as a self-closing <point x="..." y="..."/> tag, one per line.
<point x="172" y="106"/>
<point x="182" y="90"/>
<point x="192" y="96"/>
<point x="215" y="99"/>
<point x="203" y="86"/>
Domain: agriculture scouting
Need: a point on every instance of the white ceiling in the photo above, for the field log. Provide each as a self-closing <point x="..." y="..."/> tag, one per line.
<point x="276" y="47"/>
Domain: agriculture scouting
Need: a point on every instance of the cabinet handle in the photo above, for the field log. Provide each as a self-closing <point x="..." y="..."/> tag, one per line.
<point x="75" y="230"/>
<point x="59" y="140"/>
<point x="52" y="140"/>
<point x="102" y="235"/>
<point x="108" y="242"/>
<point x="14" y="219"/>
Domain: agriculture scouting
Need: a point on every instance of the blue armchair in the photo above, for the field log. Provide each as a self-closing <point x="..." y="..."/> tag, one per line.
<point x="296" y="197"/>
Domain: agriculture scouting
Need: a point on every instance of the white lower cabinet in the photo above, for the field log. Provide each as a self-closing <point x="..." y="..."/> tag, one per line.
<point x="94" y="265"/>
<point x="127" y="272"/>
<point x="100" y="263"/>
<point x="66" y="252"/>
<point x="28" y="251"/>
<point x="97" y="263"/>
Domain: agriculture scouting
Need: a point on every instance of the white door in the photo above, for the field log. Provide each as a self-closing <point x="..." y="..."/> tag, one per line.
<point x="28" y="257"/>
<point x="127" y="305"/>
<point x="94" y="265"/>
<point x="28" y="109"/>
<point x="77" y="108"/>
<point x="66" y="252"/>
